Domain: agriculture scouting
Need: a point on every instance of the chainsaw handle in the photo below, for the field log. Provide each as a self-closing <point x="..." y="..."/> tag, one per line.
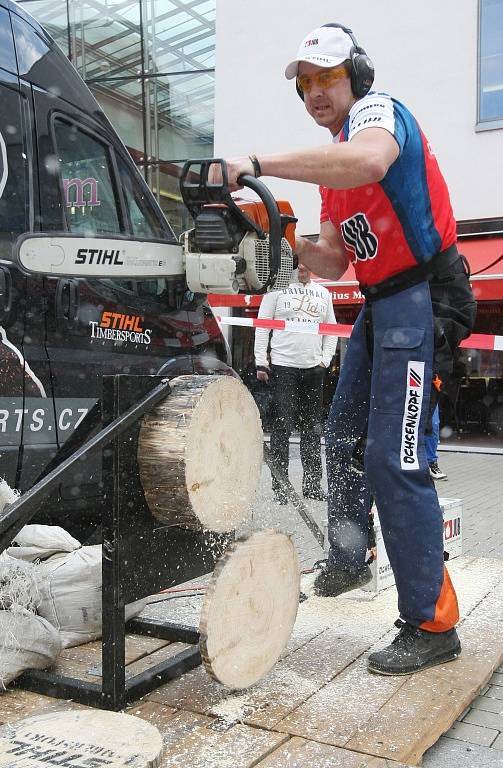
<point x="275" y="225"/>
<point x="197" y="191"/>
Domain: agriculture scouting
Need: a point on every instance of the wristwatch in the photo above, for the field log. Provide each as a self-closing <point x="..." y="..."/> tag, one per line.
<point x="257" y="170"/>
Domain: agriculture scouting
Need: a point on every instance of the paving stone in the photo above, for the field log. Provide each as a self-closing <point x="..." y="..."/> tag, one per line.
<point x="464" y="713"/>
<point x="498" y="744"/>
<point x="450" y="753"/>
<point x="497" y="679"/>
<point x="475" y="734"/>
<point x="495" y="692"/>
<point x="488" y="705"/>
<point x="485" y="719"/>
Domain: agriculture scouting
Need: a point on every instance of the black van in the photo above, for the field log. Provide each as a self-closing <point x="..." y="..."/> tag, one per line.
<point x="63" y="168"/>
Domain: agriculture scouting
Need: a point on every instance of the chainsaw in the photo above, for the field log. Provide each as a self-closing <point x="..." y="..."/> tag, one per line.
<point x="235" y="246"/>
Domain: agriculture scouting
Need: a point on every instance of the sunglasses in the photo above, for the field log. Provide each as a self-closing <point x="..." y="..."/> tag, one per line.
<point x="324" y="79"/>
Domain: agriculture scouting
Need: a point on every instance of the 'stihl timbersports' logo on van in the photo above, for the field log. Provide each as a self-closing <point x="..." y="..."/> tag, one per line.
<point x="412" y="415"/>
<point x="115" y="326"/>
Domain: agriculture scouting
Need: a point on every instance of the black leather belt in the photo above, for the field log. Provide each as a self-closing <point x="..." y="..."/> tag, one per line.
<point x="438" y="266"/>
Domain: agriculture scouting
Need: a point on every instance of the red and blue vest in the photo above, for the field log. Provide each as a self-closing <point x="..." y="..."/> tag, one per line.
<point x="403" y="220"/>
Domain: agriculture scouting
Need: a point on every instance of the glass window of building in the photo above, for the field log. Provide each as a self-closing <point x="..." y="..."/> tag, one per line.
<point x="151" y="66"/>
<point x="490" y="111"/>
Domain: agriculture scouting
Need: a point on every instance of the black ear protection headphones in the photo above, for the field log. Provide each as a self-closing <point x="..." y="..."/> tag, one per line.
<point x="362" y="68"/>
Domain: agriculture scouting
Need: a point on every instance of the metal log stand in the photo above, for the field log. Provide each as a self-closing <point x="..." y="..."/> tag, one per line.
<point x="140" y="556"/>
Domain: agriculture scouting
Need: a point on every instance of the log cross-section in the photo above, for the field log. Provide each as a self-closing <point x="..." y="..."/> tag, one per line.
<point x="200" y="454"/>
<point x="250" y="608"/>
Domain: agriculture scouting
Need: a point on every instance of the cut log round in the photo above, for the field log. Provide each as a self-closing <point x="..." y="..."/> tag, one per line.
<point x="76" y="738"/>
<point x="200" y="454"/>
<point x="249" y="608"/>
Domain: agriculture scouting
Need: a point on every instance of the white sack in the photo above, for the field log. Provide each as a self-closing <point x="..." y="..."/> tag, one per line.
<point x="38" y="542"/>
<point x="70" y="595"/>
<point x="27" y="641"/>
<point x="7" y="494"/>
<point x="18" y="587"/>
<point x="35" y="542"/>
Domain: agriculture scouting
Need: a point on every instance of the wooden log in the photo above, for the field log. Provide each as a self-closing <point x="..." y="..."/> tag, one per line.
<point x="250" y="608"/>
<point x="200" y="454"/>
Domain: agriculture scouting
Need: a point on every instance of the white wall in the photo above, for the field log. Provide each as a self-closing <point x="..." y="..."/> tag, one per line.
<point x="425" y="54"/>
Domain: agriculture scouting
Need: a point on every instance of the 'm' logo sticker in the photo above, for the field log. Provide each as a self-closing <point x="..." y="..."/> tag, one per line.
<point x="412" y="415"/>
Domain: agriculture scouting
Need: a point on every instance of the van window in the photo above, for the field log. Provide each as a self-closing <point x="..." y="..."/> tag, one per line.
<point x="90" y="195"/>
<point x="14" y="202"/>
<point x="146" y="222"/>
<point x="7" y="54"/>
<point x="30" y="47"/>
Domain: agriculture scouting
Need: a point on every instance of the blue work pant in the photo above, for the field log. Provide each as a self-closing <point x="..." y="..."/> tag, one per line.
<point x="385" y="396"/>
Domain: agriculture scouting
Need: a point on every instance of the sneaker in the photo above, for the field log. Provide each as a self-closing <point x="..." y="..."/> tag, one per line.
<point x="436" y="473"/>
<point x="414" y="649"/>
<point x="316" y="493"/>
<point x="331" y="581"/>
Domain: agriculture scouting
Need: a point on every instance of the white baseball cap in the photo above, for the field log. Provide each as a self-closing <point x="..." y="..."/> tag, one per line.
<point x="324" y="46"/>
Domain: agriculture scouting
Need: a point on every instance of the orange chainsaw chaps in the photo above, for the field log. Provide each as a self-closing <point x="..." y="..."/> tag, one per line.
<point x="446" y="609"/>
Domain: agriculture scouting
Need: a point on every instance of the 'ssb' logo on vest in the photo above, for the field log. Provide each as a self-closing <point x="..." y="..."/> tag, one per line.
<point x="359" y="238"/>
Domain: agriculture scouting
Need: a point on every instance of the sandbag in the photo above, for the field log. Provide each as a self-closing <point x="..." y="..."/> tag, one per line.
<point x="18" y="587"/>
<point x="7" y="494"/>
<point x="38" y="542"/>
<point x="69" y="585"/>
<point x="27" y="641"/>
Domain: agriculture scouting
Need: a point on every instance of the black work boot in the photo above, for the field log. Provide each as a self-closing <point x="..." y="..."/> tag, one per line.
<point x="414" y="649"/>
<point x="332" y="581"/>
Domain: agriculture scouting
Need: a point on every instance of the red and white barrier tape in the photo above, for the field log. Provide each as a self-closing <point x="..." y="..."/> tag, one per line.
<point x="475" y="341"/>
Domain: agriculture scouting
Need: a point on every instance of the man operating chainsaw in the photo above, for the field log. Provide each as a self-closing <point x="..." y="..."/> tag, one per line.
<point x="384" y="206"/>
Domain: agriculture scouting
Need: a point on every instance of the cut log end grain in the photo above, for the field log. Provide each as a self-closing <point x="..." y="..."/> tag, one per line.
<point x="200" y="454"/>
<point x="250" y="608"/>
